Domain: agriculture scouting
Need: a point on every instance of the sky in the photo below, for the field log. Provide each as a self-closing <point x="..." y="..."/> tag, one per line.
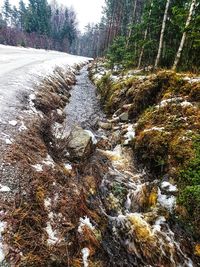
<point x="87" y="10"/>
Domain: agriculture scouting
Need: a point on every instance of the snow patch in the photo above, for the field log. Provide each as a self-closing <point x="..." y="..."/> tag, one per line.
<point x="38" y="167"/>
<point x="48" y="161"/>
<point x="130" y="135"/>
<point x="8" y="141"/>
<point x="47" y="203"/>
<point x="22" y="127"/>
<point x="160" y="129"/>
<point x="165" y="102"/>
<point x="2" y="229"/>
<point x="86" y="254"/>
<point x="68" y="166"/>
<point x="4" y="188"/>
<point x="13" y="123"/>
<point x="59" y="112"/>
<point x="85" y="222"/>
<point x="52" y="239"/>
<point x="186" y="104"/>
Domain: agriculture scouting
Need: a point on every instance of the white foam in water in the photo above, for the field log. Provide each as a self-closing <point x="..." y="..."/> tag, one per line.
<point x="166" y="201"/>
<point x="169" y="187"/>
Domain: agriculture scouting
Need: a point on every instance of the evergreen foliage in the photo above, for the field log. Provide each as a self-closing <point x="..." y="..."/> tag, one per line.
<point x="38" y="25"/>
<point x="132" y="30"/>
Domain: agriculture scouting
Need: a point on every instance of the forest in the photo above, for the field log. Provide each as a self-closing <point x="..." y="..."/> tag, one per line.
<point x="38" y="25"/>
<point x="132" y="33"/>
<point x="140" y="33"/>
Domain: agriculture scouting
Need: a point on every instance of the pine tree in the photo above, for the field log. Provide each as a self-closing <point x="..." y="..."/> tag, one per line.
<point x="7" y="11"/>
<point x="22" y="15"/>
<point x="178" y="55"/>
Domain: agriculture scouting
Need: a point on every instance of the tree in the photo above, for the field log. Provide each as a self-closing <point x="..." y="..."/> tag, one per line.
<point x="22" y="15"/>
<point x="145" y="36"/>
<point x="178" y="55"/>
<point x="7" y="10"/>
<point x="162" y="34"/>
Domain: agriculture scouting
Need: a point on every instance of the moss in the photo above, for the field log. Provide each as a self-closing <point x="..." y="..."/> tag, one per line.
<point x="152" y="149"/>
<point x="189" y="183"/>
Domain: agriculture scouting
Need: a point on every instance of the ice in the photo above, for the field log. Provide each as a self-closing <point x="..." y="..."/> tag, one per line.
<point x="94" y="140"/>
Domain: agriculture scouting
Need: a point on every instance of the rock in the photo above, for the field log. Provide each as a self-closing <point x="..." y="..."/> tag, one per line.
<point x="105" y="125"/>
<point x="124" y="116"/>
<point x="127" y="107"/>
<point x="80" y="144"/>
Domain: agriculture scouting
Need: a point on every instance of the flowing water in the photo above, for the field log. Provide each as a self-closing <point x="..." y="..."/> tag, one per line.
<point x="138" y="209"/>
<point x="83" y="109"/>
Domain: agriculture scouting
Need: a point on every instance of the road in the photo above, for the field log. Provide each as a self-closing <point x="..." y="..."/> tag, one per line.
<point x="20" y="68"/>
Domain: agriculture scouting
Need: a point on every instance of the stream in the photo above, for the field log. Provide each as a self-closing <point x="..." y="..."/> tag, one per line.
<point x="138" y="210"/>
<point x="84" y="108"/>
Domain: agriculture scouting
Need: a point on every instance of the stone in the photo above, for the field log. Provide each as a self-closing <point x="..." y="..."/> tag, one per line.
<point x="124" y="116"/>
<point x="105" y="125"/>
<point x="80" y="144"/>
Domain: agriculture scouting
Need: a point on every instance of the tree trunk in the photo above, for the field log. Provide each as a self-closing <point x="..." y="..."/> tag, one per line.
<point x="178" y="55"/>
<point x="133" y="19"/>
<point x="145" y="37"/>
<point x="162" y="34"/>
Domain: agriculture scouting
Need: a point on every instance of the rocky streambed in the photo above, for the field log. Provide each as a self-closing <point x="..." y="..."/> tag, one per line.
<point x="89" y="203"/>
<point x="129" y="218"/>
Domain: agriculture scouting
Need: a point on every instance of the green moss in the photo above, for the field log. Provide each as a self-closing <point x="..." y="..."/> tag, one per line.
<point x="190" y="175"/>
<point x="152" y="149"/>
<point x="189" y="183"/>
